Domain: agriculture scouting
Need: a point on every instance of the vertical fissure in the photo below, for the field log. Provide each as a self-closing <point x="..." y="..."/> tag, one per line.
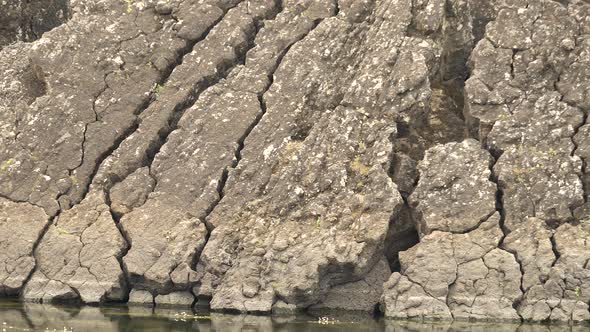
<point x="263" y="108"/>
<point x="554" y="249"/>
<point x="34" y="251"/>
<point x="117" y="218"/>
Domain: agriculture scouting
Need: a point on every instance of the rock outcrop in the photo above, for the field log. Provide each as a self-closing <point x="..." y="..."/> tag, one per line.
<point x="459" y="271"/>
<point x="428" y="157"/>
<point x="28" y="20"/>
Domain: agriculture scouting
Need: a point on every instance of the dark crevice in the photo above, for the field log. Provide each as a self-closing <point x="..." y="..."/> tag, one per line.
<point x="377" y="312"/>
<point x="512" y="71"/>
<point x="576" y="130"/>
<point x="451" y="287"/>
<point x="126" y="283"/>
<point x="402" y="235"/>
<point x="555" y="251"/>
<point x="505" y="231"/>
<point x="586" y="191"/>
<point x="499" y="193"/>
<point x="34" y="250"/>
<point x="521" y="267"/>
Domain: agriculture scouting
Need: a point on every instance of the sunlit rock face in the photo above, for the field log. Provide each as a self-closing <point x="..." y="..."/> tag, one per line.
<point x="425" y="158"/>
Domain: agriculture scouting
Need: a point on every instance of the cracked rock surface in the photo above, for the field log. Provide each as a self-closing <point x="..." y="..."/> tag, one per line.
<point x="21" y="224"/>
<point x="456" y="273"/>
<point x="319" y="201"/>
<point x="428" y="157"/>
<point x="78" y="257"/>
<point x="530" y="105"/>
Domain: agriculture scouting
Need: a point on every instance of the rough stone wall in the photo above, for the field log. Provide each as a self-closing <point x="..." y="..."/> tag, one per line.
<point x="28" y="20"/>
<point x="427" y="156"/>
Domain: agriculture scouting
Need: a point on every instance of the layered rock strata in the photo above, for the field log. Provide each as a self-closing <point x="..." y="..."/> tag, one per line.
<point x="427" y="157"/>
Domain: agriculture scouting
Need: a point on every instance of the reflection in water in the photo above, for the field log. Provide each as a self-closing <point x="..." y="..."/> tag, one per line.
<point x="15" y="316"/>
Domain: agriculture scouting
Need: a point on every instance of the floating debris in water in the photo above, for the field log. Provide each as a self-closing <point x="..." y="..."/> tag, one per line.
<point x="327" y="321"/>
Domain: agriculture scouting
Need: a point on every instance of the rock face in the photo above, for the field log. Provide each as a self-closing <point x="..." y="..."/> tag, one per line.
<point x="28" y="20"/>
<point x="455" y="271"/>
<point x="21" y="225"/>
<point x="455" y="198"/>
<point x="529" y="94"/>
<point x="425" y="156"/>
<point x="523" y="94"/>
<point x="362" y="295"/>
<point x="88" y="245"/>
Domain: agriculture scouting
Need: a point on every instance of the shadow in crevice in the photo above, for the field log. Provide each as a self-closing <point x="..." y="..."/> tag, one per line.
<point x="34" y="83"/>
<point x="402" y="235"/>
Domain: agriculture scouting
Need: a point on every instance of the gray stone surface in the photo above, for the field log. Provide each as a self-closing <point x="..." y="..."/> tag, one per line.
<point x="21" y="224"/>
<point x="140" y="297"/>
<point x="83" y="67"/>
<point x="175" y="299"/>
<point x="522" y="93"/>
<point x="528" y="93"/>
<point x="362" y="295"/>
<point x="132" y="192"/>
<point x="28" y="20"/>
<point x="454" y="193"/>
<point x="179" y="199"/>
<point x="78" y="258"/>
<point x="555" y="276"/>
<point x="457" y="270"/>
<point x="463" y="276"/>
<point x="289" y="155"/>
<point x="313" y="187"/>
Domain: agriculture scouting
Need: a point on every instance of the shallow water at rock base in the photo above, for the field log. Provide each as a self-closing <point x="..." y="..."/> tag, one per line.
<point x="17" y="316"/>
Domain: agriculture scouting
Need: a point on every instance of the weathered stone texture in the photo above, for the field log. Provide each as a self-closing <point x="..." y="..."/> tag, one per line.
<point x="318" y="202"/>
<point x="220" y="117"/>
<point x="362" y="295"/>
<point x="518" y="92"/>
<point x="285" y="155"/>
<point x="28" y="20"/>
<point x="457" y="270"/>
<point x="175" y="299"/>
<point x="459" y="196"/>
<point x="21" y="224"/>
<point x="528" y="92"/>
<point x="456" y="276"/>
<point x="78" y="257"/>
<point x="556" y="274"/>
<point x="140" y="297"/>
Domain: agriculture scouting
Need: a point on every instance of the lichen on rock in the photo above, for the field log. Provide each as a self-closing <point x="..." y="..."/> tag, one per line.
<point x="428" y="157"/>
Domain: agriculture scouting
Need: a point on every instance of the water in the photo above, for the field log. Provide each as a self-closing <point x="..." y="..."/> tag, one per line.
<point x="15" y="316"/>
